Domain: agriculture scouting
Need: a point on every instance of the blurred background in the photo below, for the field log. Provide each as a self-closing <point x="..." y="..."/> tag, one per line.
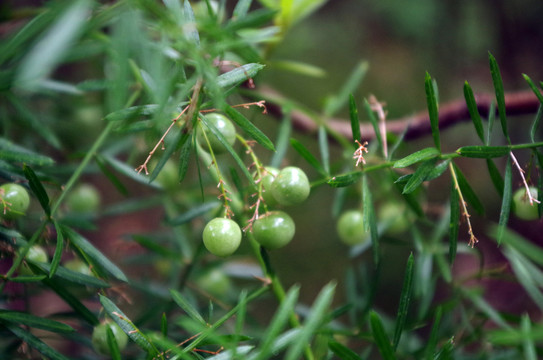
<point x="400" y="40"/>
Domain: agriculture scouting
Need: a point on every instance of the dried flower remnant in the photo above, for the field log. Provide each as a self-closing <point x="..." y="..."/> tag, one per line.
<point x="359" y="153"/>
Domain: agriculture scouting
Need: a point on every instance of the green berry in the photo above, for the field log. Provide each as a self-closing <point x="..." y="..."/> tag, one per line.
<point x="78" y="266"/>
<point x="84" y="199"/>
<point x="222" y="237"/>
<point x="523" y="209"/>
<point x="15" y="200"/>
<point x="274" y="230"/>
<point x="99" y="337"/>
<point x="215" y="282"/>
<point x="270" y="173"/>
<point x="350" y="228"/>
<point x="394" y="217"/>
<point x="291" y="186"/>
<point x="224" y="126"/>
<point x="35" y="253"/>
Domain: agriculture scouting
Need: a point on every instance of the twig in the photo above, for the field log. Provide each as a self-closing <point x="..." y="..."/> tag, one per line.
<point x="528" y="192"/>
<point x="472" y="239"/>
<point x="417" y="125"/>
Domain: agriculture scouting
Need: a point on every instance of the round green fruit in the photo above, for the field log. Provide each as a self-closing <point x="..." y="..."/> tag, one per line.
<point x="99" y="337"/>
<point x="35" y="253"/>
<point x="394" y="217"/>
<point x="222" y="236"/>
<point x="168" y="177"/>
<point x="84" y="199"/>
<point x="15" y="200"/>
<point x="270" y="173"/>
<point x="215" y="282"/>
<point x="224" y="126"/>
<point x="350" y="228"/>
<point x="78" y="266"/>
<point x="274" y="230"/>
<point x="291" y="186"/>
<point x="523" y="209"/>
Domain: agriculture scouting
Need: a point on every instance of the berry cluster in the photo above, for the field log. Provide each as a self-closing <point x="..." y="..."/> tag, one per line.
<point x="286" y="187"/>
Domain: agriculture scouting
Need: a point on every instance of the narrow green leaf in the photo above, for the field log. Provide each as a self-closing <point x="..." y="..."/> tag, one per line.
<point x="500" y="94"/>
<point x="446" y="351"/>
<point x="189" y="28"/>
<point x="85" y="247"/>
<point x="534" y="88"/>
<point x="249" y="128"/>
<point x="416" y="157"/>
<point x="491" y="120"/>
<point x="506" y="200"/>
<point x="187" y="307"/>
<point x="535" y="124"/>
<point x="241" y="9"/>
<point x="184" y="157"/>
<point x="380" y="337"/>
<point x="432" y="110"/>
<point x="419" y="176"/>
<point x="15" y="153"/>
<point x="522" y="245"/>
<point x="133" y="112"/>
<point x="33" y="321"/>
<point x="514" y="337"/>
<point x="334" y="103"/>
<point x="127" y="326"/>
<point x="436" y="172"/>
<point x="13" y="45"/>
<point x="277" y="323"/>
<point x="111" y="176"/>
<point x="370" y="219"/>
<point x="374" y="123"/>
<point x="345" y="179"/>
<point x="325" y="151"/>
<point x="432" y="341"/>
<point x="32" y="121"/>
<point x="342" y="351"/>
<point x="528" y="344"/>
<point x="495" y="176"/>
<point x="473" y="111"/>
<point x="318" y="313"/>
<point x="308" y="156"/>
<point x="58" y="250"/>
<point x="483" y="306"/>
<point x="47" y="53"/>
<point x="151" y="244"/>
<point x="239" y="75"/>
<point x="454" y="222"/>
<point x="170" y="147"/>
<point x="35" y="343"/>
<point x="74" y="276"/>
<point x="467" y="191"/>
<point x="355" y="123"/>
<point x="114" y="352"/>
<point x="128" y="171"/>
<point x="254" y="19"/>
<point x="194" y="212"/>
<point x="59" y="287"/>
<point x="282" y="142"/>
<point x="522" y="269"/>
<point x="483" y="152"/>
<point x="37" y="189"/>
<point x="164" y="325"/>
<point x="298" y="67"/>
<point x="405" y="299"/>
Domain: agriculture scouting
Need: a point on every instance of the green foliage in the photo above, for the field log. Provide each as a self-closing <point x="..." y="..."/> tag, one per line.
<point x="137" y="81"/>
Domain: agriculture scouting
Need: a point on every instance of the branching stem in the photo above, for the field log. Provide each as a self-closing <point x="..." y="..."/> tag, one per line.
<point x="472" y="239"/>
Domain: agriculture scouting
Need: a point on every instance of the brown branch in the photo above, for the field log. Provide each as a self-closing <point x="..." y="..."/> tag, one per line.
<point x="418" y="125"/>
